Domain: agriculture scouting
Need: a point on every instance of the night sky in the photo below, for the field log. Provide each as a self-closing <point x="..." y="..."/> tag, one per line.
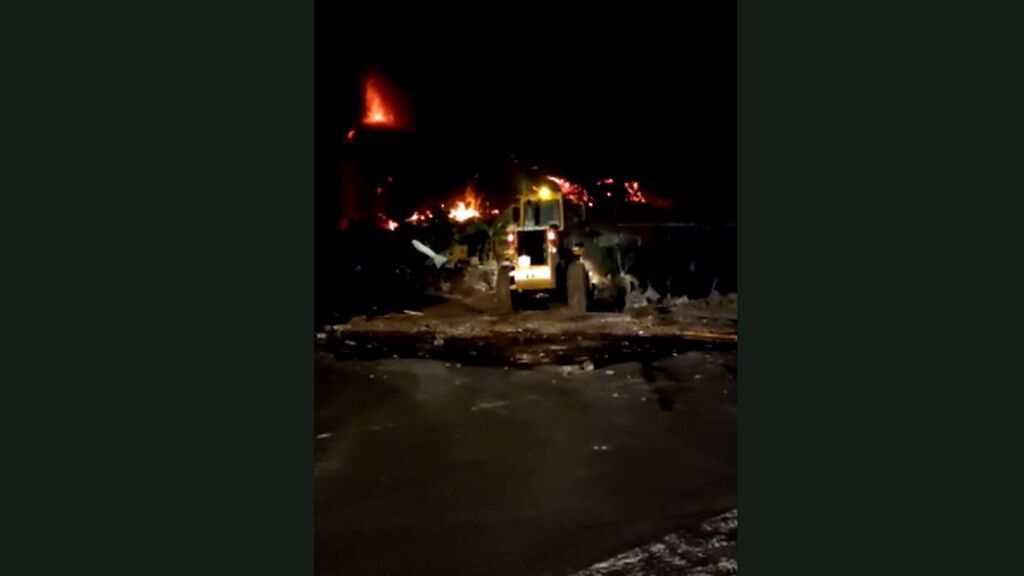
<point x="651" y="100"/>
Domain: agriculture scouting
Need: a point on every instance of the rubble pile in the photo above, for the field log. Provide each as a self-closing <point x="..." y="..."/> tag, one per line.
<point x="468" y="310"/>
<point x="710" y="550"/>
<point x="467" y="313"/>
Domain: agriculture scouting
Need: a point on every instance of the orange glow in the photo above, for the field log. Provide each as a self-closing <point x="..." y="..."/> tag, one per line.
<point x="463" y="212"/>
<point x="351" y="135"/>
<point x="633" y="193"/>
<point x="607" y="181"/>
<point x="466" y="208"/>
<point x="420" y="217"/>
<point x="573" y="192"/>
<point x="378" y="110"/>
<point x="387" y="223"/>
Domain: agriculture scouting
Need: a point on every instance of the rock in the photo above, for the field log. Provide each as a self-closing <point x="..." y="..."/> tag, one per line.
<point x="635" y="299"/>
<point x="715" y="299"/>
<point x="438" y="341"/>
<point x="588" y="366"/>
<point x="651" y="295"/>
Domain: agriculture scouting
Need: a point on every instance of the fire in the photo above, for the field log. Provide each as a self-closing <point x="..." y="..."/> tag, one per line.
<point x="463" y="212"/>
<point x="420" y="217"/>
<point x="466" y="208"/>
<point x="633" y="193"/>
<point x="387" y="223"/>
<point x="573" y="192"/>
<point x="378" y="112"/>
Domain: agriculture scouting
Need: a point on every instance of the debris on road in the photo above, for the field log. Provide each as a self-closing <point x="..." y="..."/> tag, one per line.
<point x="651" y="295"/>
<point x="709" y="550"/>
<point x="461" y="317"/>
<point x="715" y="299"/>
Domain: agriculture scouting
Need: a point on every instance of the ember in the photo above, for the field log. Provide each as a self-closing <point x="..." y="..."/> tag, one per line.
<point x="420" y="217"/>
<point x="633" y="193"/>
<point x="573" y="192"/>
<point x="387" y="223"/>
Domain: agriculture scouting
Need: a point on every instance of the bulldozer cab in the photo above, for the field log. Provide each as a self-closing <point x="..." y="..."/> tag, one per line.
<point x="538" y="212"/>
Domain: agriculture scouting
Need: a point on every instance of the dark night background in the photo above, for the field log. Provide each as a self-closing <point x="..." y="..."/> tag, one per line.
<point x="650" y="99"/>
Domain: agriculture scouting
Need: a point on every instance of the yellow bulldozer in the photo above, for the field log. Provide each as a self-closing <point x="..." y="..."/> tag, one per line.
<point x="544" y="248"/>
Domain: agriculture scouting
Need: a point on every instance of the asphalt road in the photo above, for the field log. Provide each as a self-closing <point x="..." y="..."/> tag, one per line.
<point x="428" y="467"/>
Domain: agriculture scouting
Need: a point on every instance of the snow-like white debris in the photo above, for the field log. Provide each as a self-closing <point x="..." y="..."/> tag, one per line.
<point x="710" y="550"/>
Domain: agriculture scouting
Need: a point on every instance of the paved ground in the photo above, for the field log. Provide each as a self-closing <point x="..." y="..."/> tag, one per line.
<point x="428" y="467"/>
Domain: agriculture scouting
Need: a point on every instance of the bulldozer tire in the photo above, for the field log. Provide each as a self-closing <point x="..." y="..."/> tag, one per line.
<point x="503" y="290"/>
<point x="576" y="287"/>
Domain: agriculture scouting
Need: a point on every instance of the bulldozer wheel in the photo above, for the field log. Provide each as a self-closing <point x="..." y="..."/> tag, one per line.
<point x="576" y="286"/>
<point x="503" y="290"/>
